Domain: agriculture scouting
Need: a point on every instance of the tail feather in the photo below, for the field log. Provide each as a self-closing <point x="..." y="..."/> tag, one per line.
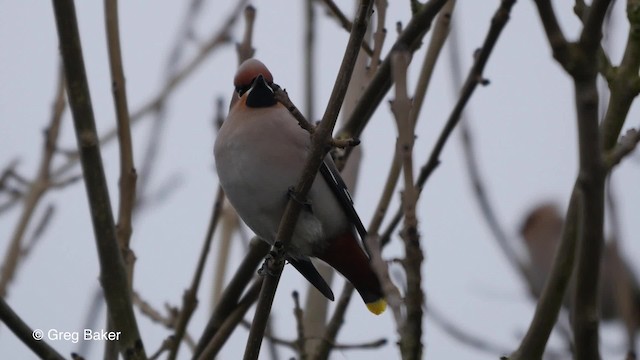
<point x="346" y="256"/>
<point x="306" y="268"/>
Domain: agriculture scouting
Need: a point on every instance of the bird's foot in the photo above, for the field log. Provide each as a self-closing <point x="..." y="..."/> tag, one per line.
<point x="269" y="261"/>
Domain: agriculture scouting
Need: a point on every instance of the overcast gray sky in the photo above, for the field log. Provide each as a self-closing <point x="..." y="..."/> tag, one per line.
<point x="524" y="127"/>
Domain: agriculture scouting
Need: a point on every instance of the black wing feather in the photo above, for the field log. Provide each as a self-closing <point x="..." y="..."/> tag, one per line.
<point x="339" y="188"/>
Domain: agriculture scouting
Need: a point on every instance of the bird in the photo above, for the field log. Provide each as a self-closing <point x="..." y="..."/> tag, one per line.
<point x="619" y="292"/>
<point x="260" y="151"/>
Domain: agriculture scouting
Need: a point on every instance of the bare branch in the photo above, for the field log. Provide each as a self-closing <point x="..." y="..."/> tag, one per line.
<point x="317" y="153"/>
<point x="113" y="275"/>
<point x="380" y="84"/>
<point x="559" y="45"/>
<point x="378" y="36"/>
<point x="245" y="49"/>
<point x="474" y="78"/>
<point x="344" y="22"/>
<point x="189" y="299"/>
<point x="218" y="38"/>
<point x="282" y="97"/>
<point x="128" y="174"/>
<point x="335" y="323"/>
<point x="299" y="316"/>
<point x="230" y="298"/>
<point x="37" y="188"/>
<point x="231" y="321"/>
<point x="626" y="146"/>
<point x="31" y="338"/>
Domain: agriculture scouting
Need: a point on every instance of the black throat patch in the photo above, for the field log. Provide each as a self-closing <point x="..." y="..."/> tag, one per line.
<point x="260" y="95"/>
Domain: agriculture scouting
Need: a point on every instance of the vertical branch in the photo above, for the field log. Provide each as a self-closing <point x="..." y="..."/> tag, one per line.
<point x="127" y="169"/>
<point x="309" y="58"/>
<point x="378" y="36"/>
<point x="474" y="78"/>
<point x="128" y="174"/>
<point x="314" y="321"/>
<point x="580" y="61"/>
<point x="475" y="177"/>
<point x="245" y="49"/>
<point x="322" y="351"/>
<point x="322" y="337"/>
<point x="319" y="147"/>
<point x="591" y="181"/>
<point x="440" y="33"/>
<point x="113" y="275"/>
<point x="411" y="329"/>
<point x="230" y="219"/>
<point x="230" y="298"/>
<point x="380" y="84"/>
<point x="299" y="316"/>
<point x="231" y="321"/>
<point x="189" y="298"/>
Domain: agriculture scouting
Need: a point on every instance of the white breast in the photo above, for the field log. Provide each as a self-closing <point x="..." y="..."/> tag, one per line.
<point x="259" y="155"/>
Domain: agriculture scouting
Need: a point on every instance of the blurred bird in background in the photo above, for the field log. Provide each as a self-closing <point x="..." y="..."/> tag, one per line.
<point x="619" y="289"/>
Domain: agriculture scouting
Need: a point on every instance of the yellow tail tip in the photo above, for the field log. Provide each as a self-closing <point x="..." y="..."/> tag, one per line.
<point x="377" y="307"/>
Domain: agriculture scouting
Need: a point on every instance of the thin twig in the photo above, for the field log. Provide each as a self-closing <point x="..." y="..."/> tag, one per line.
<point x="113" y="275"/>
<point x="585" y="216"/>
<point x="474" y="78"/>
<point x="335" y="323"/>
<point x="14" y="194"/>
<point x="229" y="299"/>
<point x="624" y="84"/>
<point x="392" y="294"/>
<point x="626" y="146"/>
<point x="380" y="84"/>
<point x="127" y="168"/>
<point x="166" y="345"/>
<point x="378" y="36"/>
<point x="231" y="321"/>
<point x="128" y="176"/>
<point x="218" y="38"/>
<point x="37" y="188"/>
<point x="282" y="97"/>
<point x="299" y="316"/>
<point x="189" y="299"/>
<point x="344" y="22"/>
<point x="245" y="49"/>
<point x="475" y="177"/>
<point x="411" y="328"/>
<point x="44" y="222"/>
<point x="440" y="33"/>
<point x="30" y="337"/>
<point x="169" y="321"/>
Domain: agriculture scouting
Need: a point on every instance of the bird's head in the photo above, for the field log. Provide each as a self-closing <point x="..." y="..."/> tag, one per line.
<point x="254" y="81"/>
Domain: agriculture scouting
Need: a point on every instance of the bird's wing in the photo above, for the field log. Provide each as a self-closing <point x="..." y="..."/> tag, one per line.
<point x="332" y="176"/>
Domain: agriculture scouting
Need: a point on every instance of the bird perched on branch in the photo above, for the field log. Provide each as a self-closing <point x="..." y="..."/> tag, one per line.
<point x="619" y="289"/>
<point x="260" y="152"/>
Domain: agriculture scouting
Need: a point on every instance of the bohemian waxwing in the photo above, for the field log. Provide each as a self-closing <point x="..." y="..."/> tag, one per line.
<point x="260" y="152"/>
<point x="619" y="288"/>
